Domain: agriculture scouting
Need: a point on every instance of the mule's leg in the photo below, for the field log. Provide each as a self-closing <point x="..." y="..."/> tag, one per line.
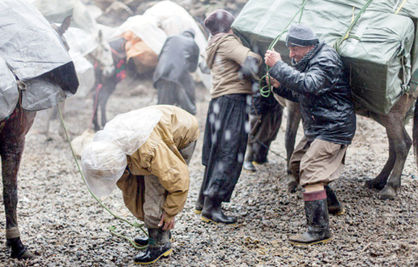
<point x="401" y="145"/>
<point x="11" y="149"/>
<point x="61" y="106"/>
<point x="380" y="181"/>
<point x="104" y="97"/>
<point x="293" y="119"/>
<point x="95" y="110"/>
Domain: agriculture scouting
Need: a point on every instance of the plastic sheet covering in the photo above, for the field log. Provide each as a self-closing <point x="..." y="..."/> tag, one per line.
<point x="85" y="74"/>
<point x="174" y="19"/>
<point x="104" y="160"/>
<point x="377" y="54"/>
<point x="103" y="163"/>
<point x="8" y="91"/>
<point x="146" y="28"/>
<point x="25" y="34"/>
<point x="130" y="130"/>
<point x="41" y="94"/>
<point x="55" y="11"/>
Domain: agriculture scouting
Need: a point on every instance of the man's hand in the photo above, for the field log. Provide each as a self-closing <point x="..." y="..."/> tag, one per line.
<point x="274" y="82"/>
<point x="166" y="223"/>
<point x="272" y="57"/>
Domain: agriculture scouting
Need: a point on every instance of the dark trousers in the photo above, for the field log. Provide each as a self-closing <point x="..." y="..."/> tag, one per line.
<point x="224" y="144"/>
<point x="264" y="129"/>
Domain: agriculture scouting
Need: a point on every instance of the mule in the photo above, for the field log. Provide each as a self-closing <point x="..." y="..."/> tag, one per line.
<point x="12" y="140"/>
<point x="105" y="82"/>
<point x="388" y="181"/>
<point x="102" y="58"/>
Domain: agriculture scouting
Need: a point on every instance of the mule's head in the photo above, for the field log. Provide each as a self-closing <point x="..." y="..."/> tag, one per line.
<point x="102" y="55"/>
<point x="62" y="29"/>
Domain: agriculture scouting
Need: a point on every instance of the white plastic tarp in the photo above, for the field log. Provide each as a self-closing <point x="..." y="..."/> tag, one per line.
<point x="174" y="19"/>
<point x="146" y="28"/>
<point x="8" y="91"/>
<point x="28" y="43"/>
<point x="56" y="11"/>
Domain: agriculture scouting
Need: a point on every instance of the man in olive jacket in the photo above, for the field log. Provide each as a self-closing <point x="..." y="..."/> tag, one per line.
<point x="145" y="153"/>
<point x="317" y="81"/>
<point x="178" y="58"/>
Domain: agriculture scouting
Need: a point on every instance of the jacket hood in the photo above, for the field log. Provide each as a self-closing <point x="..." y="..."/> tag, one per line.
<point x="213" y="45"/>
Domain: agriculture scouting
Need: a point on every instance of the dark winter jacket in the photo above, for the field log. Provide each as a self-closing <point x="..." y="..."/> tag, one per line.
<point x="318" y="82"/>
<point x="178" y="57"/>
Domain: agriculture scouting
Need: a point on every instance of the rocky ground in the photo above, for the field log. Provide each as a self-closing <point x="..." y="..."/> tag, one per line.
<point x="64" y="226"/>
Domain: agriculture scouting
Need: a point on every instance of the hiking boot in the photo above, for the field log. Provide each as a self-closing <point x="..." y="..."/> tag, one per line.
<point x="317" y="223"/>
<point x="249" y="166"/>
<point x="334" y="206"/>
<point x="159" y="245"/>
<point x="212" y="212"/>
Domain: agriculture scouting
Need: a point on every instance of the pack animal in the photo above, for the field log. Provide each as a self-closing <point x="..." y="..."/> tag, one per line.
<point x="104" y="68"/>
<point x="388" y="181"/>
<point x="106" y="81"/>
<point x="12" y="141"/>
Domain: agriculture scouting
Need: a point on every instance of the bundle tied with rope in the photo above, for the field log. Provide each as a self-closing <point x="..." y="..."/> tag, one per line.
<point x="377" y="40"/>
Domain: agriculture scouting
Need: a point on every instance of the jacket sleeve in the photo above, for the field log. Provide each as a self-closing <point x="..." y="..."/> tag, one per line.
<point x="286" y="93"/>
<point x="316" y="80"/>
<point x="237" y="52"/>
<point x="173" y="175"/>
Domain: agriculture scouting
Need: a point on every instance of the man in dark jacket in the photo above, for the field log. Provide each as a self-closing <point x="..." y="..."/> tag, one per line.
<point x="179" y="56"/>
<point x="318" y="82"/>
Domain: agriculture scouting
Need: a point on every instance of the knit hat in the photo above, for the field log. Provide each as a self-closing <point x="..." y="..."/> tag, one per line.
<point x="301" y="35"/>
<point x="218" y="21"/>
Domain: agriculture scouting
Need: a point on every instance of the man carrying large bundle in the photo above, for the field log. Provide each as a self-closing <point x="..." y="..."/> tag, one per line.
<point x="145" y="153"/>
<point x="178" y="58"/>
<point x="317" y="81"/>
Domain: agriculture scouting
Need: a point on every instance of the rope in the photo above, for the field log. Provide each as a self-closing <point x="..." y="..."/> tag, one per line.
<point x="111" y="229"/>
<point x="346" y="35"/>
<point x="265" y="91"/>
<point x="400" y="7"/>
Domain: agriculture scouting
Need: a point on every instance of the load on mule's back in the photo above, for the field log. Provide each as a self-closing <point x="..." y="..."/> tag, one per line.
<point x="382" y="71"/>
<point x="32" y="78"/>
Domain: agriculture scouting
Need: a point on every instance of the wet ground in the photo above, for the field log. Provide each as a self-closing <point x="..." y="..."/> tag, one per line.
<point x="64" y="226"/>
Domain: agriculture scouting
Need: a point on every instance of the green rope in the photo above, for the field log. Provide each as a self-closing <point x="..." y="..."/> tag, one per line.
<point x="112" y="229"/>
<point x="347" y="35"/>
<point x="265" y="90"/>
<point x="133" y="224"/>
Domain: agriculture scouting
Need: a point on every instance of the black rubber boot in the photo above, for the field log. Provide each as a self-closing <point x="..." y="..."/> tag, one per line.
<point x="143" y="241"/>
<point x="18" y="250"/>
<point x="159" y="245"/>
<point x="334" y="206"/>
<point x="212" y="212"/>
<point x="199" y="204"/>
<point x="317" y="222"/>
<point x="249" y="166"/>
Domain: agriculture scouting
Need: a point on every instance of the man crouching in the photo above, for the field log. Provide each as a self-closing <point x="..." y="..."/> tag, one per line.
<point x="145" y="153"/>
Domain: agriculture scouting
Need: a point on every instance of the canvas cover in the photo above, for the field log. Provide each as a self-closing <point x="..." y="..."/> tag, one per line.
<point x="25" y="35"/>
<point x="377" y="56"/>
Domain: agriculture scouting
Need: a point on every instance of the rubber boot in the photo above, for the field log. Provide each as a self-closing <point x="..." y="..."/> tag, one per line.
<point x="249" y="166"/>
<point x="212" y="212"/>
<point x="316" y="211"/>
<point x="199" y="203"/>
<point x="159" y="245"/>
<point x="143" y="241"/>
<point x="18" y="250"/>
<point x="334" y="206"/>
